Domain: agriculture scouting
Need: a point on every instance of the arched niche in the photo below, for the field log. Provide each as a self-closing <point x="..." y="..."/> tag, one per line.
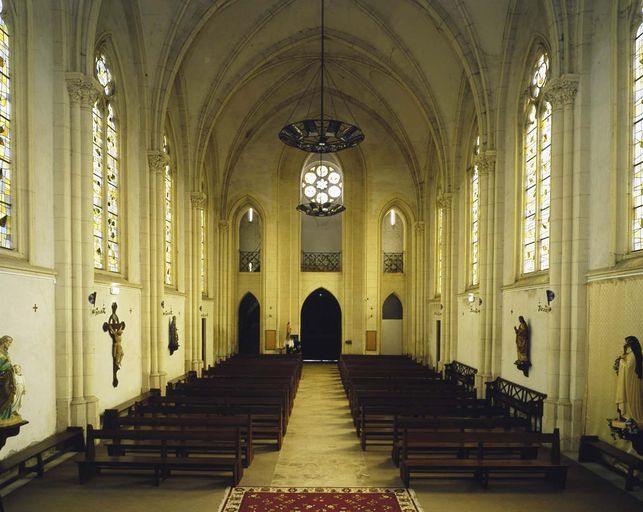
<point x="392" y="326"/>
<point x="321" y="327"/>
<point x="249" y="325"/>
<point x="321" y="236"/>
<point x="392" y="233"/>
<point x="250" y="239"/>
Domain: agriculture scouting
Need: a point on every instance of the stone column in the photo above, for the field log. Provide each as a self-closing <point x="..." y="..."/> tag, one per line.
<point x="419" y="279"/>
<point x="223" y="343"/>
<point x="561" y="92"/>
<point x="198" y="202"/>
<point x="486" y="163"/>
<point x="157" y="161"/>
<point x="447" y="350"/>
<point x="83" y="92"/>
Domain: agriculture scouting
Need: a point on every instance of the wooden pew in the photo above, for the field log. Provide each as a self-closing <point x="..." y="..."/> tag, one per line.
<point x="161" y="463"/>
<point x="113" y="421"/>
<point x="445" y="423"/>
<point x="266" y="420"/>
<point x="592" y="449"/>
<point x="484" y="463"/>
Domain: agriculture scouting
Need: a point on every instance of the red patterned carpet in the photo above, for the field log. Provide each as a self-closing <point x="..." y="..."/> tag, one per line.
<point x="318" y="499"/>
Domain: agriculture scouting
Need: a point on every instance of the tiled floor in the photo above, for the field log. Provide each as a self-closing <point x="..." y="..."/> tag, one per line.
<point x="320" y="449"/>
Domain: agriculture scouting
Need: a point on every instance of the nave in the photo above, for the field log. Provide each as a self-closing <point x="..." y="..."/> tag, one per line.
<point x="320" y="449"/>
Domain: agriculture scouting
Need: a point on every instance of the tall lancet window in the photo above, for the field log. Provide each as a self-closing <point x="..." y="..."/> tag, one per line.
<point x="536" y="172"/>
<point x="202" y="243"/>
<point x="440" y="235"/>
<point x="106" y="173"/>
<point x="637" y="142"/>
<point x="474" y="218"/>
<point x="6" y="139"/>
<point x="168" y="206"/>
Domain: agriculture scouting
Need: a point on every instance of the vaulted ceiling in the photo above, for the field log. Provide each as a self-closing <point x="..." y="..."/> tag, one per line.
<point x="233" y="72"/>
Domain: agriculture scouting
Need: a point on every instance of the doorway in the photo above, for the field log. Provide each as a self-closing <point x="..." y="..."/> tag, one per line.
<point x="392" y="326"/>
<point x="321" y="327"/>
<point x="249" y="325"/>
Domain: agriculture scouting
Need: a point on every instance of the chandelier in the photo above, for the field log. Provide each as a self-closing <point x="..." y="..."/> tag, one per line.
<point x="323" y="135"/>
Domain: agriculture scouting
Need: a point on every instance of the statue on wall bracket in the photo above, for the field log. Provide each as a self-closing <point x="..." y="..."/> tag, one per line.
<point x="173" y="344"/>
<point x="629" y="394"/>
<point x="522" y="346"/>
<point x="12" y="386"/>
<point x="115" y="329"/>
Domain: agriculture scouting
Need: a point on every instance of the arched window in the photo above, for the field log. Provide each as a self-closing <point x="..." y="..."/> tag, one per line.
<point x="393" y="242"/>
<point x="536" y="171"/>
<point x="440" y="233"/>
<point x="637" y="142"/>
<point x="106" y="173"/>
<point x="203" y="250"/>
<point x="168" y="208"/>
<point x="6" y="142"/>
<point x="474" y="218"/>
<point x="250" y="241"/>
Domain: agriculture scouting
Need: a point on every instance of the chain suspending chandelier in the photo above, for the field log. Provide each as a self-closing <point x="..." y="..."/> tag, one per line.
<point x="322" y="181"/>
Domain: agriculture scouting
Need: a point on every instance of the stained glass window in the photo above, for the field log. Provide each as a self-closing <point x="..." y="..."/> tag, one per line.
<point x="169" y="215"/>
<point x="6" y="143"/>
<point x="106" y="173"/>
<point x="439" y="258"/>
<point x="637" y="143"/>
<point x="474" y="217"/>
<point x="203" y="251"/>
<point x="537" y="170"/>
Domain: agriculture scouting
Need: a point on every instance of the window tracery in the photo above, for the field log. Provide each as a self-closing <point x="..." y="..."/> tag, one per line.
<point x="106" y="172"/>
<point x="6" y="139"/>
<point x="537" y="172"/>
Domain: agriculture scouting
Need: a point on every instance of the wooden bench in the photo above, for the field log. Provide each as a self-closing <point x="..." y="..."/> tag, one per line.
<point x="113" y="421"/>
<point x="161" y="463"/>
<point x="41" y="453"/>
<point x="266" y="419"/>
<point x="485" y="462"/>
<point x="592" y="449"/>
<point x="453" y="424"/>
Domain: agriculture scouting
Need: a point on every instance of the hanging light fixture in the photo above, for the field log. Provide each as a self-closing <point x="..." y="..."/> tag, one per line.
<point x="323" y="135"/>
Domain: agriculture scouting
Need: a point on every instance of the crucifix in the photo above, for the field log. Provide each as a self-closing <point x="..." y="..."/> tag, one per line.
<point x="115" y="329"/>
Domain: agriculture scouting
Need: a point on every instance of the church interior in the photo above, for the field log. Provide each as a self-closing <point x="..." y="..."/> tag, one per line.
<point x="429" y="186"/>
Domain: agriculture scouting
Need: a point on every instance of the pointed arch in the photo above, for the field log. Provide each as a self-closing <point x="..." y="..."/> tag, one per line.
<point x="321" y="326"/>
<point x="249" y="325"/>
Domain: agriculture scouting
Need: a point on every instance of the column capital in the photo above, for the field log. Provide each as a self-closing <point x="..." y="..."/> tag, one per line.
<point x="486" y="162"/>
<point x="82" y="88"/>
<point x="157" y="161"/>
<point x="561" y="91"/>
<point x="223" y="225"/>
<point x="198" y="200"/>
<point x="419" y="227"/>
<point x="444" y="200"/>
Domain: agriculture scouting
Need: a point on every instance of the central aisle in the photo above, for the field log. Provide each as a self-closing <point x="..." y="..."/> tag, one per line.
<point x="321" y="448"/>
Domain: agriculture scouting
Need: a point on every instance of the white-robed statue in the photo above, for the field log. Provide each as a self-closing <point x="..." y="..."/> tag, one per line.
<point x="629" y="384"/>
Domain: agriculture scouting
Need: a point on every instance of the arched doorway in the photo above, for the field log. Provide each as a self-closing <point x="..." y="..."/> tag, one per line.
<point x="321" y="327"/>
<point x="392" y="326"/>
<point x="249" y="325"/>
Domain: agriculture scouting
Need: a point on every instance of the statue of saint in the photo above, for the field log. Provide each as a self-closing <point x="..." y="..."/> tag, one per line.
<point x="174" y="336"/>
<point x="629" y="384"/>
<point x="8" y="415"/>
<point x="522" y="346"/>
<point x="115" y="329"/>
<point x="19" y="380"/>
